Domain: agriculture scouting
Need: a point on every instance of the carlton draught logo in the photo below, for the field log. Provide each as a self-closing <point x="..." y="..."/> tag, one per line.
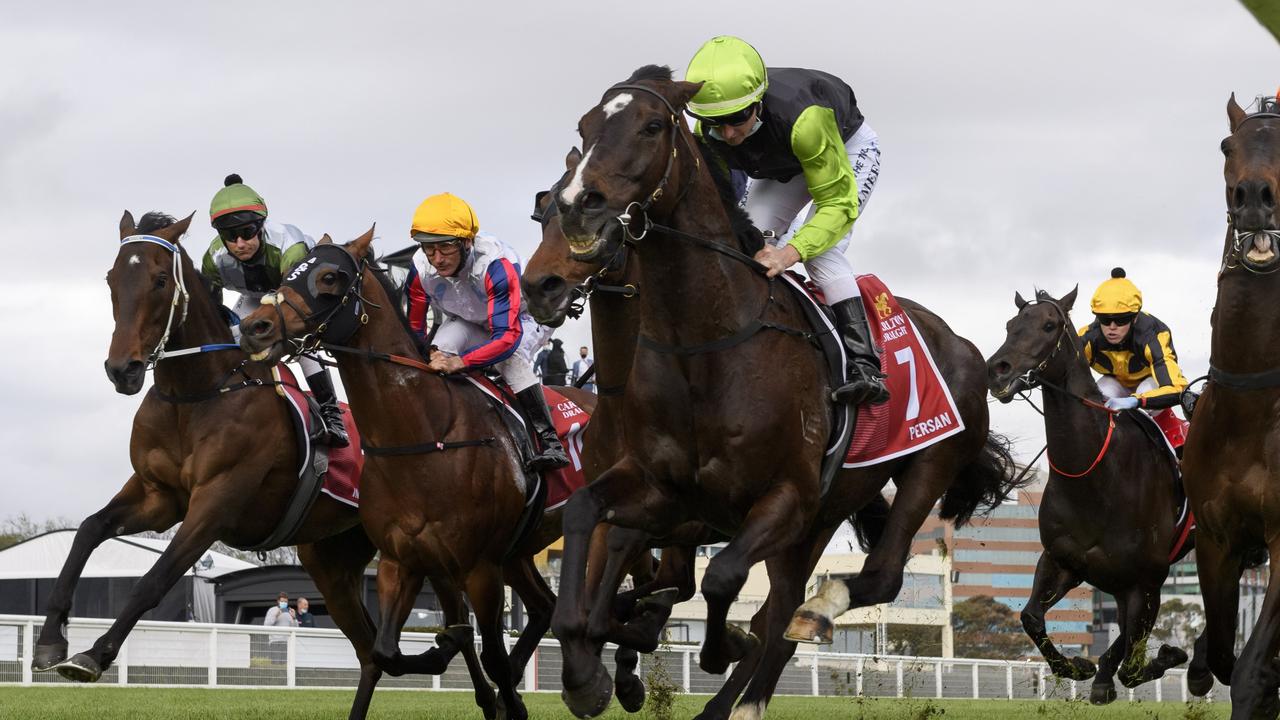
<point x="882" y="306"/>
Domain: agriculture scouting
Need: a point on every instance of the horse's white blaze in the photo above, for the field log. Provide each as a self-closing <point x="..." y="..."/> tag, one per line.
<point x="134" y="259"/>
<point x="619" y="101"/>
<point x="574" y="188"/>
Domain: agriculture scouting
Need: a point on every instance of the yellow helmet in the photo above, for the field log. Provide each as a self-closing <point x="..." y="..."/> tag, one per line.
<point x="444" y="216"/>
<point x="732" y="74"/>
<point x="1117" y="296"/>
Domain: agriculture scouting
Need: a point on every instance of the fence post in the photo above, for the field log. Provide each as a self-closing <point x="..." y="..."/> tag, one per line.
<point x="531" y="671"/>
<point x="1008" y="680"/>
<point x="899" y="674"/>
<point x="813" y="673"/>
<point x="1073" y="689"/>
<point x="937" y="678"/>
<point x="684" y="670"/>
<point x="122" y="664"/>
<point x="1184" y="687"/>
<point x="858" y="675"/>
<point x="1042" y="679"/>
<point x="291" y="659"/>
<point x="213" y="656"/>
<point x="28" y="651"/>
<point x="1159" y="690"/>
<point x="975" y="681"/>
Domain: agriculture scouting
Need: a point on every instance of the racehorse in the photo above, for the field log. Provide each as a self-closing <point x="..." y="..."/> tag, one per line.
<point x="443" y="490"/>
<point x="730" y="439"/>
<point x="1230" y="462"/>
<point x="199" y="457"/>
<point x="1108" y="518"/>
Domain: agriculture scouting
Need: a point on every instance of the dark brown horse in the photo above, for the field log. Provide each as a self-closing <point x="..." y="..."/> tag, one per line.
<point x="1231" y="461"/>
<point x="444" y="504"/>
<point x="1107" y="517"/>
<point x="722" y="426"/>
<point x="199" y="457"/>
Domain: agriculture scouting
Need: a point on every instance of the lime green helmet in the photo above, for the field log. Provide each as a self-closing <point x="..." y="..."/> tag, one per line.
<point x="732" y="74"/>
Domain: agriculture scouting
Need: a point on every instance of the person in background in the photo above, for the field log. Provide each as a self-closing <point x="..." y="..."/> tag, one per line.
<point x="580" y="367"/>
<point x="557" y="370"/>
<point x="540" y="362"/>
<point x="304" y="616"/>
<point x="279" y="615"/>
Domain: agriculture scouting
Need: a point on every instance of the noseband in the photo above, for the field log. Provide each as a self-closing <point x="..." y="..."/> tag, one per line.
<point x="332" y="324"/>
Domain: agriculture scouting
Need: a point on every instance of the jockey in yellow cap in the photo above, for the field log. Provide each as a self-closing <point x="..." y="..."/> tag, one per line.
<point x="474" y="279"/>
<point x="801" y="138"/>
<point x="1131" y="349"/>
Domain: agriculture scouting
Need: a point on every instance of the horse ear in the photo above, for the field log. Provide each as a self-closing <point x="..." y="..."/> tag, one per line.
<point x="174" y="232"/>
<point x="1069" y="300"/>
<point x="1017" y="300"/>
<point x="361" y="245"/>
<point x="572" y="159"/>
<point x="325" y="240"/>
<point x="1234" y="112"/>
<point x="127" y="225"/>
<point x="685" y="92"/>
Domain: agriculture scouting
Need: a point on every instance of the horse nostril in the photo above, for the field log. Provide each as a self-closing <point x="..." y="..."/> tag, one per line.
<point x="593" y="201"/>
<point x="552" y="286"/>
<point x="1000" y="368"/>
<point x="1238" y="197"/>
<point x="260" y="328"/>
<point x="1268" y="198"/>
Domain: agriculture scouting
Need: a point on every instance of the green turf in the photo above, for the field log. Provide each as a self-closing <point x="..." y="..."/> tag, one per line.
<point x="110" y="703"/>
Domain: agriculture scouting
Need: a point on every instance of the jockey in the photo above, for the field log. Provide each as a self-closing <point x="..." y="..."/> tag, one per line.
<point x="1132" y="350"/>
<point x="775" y="124"/>
<point x="251" y="256"/>
<point x="475" y="281"/>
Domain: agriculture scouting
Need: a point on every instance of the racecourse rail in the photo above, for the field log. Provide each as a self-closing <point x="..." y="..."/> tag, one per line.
<point x="171" y="654"/>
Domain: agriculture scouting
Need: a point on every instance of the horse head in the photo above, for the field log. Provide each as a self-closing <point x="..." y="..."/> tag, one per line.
<point x="319" y="301"/>
<point x="633" y="167"/>
<point x="1032" y="345"/>
<point x="1252" y="172"/>
<point x="148" y="295"/>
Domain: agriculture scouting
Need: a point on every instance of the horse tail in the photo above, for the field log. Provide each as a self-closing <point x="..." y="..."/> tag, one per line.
<point x="870" y="521"/>
<point x="984" y="483"/>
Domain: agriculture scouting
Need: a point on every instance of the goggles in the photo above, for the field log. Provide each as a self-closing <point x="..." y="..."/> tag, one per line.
<point x="736" y="118"/>
<point x="440" y="247"/>
<point x="240" y="232"/>
<point x="1116" y="320"/>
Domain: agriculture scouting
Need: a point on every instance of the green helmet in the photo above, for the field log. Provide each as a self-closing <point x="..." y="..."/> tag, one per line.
<point x="732" y="74"/>
<point x="236" y="204"/>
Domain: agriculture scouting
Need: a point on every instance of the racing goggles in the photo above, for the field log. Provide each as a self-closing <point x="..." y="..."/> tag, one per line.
<point x="240" y="232"/>
<point x="736" y="118"/>
<point x="1118" y="320"/>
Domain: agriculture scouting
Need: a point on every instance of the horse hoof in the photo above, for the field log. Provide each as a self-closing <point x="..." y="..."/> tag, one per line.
<point x="1081" y="668"/>
<point x="809" y="627"/>
<point x="80" y="668"/>
<point x="1199" y="681"/>
<point x="497" y="710"/>
<point x="46" y="657"/>
<point x="454" y="638"/>
<point x="1170" y="656"/>
<point x="592" y="698"/>
<point x="739" y="643"/>
<point x="1103" y="694"/>
<point x="630" y="692"/>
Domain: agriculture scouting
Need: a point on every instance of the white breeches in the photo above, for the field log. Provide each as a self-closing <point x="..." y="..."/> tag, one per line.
<point x="456" y="335"/>
<point x="1113" y="388"/>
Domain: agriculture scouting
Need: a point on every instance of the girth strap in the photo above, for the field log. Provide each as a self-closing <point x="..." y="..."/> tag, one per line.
<point x="421" y="448"/>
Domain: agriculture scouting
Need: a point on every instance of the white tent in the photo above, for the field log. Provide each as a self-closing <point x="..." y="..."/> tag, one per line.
<point x="128" y="556"/>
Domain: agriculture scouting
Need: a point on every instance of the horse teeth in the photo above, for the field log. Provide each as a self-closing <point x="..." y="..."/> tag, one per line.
<point x="260" y="355"/>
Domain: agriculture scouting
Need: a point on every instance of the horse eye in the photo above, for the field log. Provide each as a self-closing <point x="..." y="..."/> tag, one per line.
<point x="653" y="128"/>
<point x="161" y="279"/>
<point x="1048" y="327"/>
<point x="1226" y="147"/>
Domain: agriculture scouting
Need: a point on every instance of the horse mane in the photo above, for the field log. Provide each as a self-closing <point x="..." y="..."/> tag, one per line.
<point x="749" y="238"/>
<point x="660" y="73"/>
<point x="396" y="295"/>
<point x="156" y="220"/>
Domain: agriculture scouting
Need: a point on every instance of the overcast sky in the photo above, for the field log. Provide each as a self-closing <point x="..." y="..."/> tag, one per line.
<point x="1024" y="145"/>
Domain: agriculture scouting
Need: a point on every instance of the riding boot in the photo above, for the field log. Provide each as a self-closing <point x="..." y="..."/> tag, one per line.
<point x="542" y="430"/>
<point x="335" y="431"/>
<point x="866" y="383"/>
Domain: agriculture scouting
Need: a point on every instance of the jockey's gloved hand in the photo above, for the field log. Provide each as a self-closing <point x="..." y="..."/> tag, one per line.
<point x="1123" y="403"/>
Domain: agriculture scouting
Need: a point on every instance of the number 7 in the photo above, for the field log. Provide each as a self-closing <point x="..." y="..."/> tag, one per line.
<point x="907" y="357"/>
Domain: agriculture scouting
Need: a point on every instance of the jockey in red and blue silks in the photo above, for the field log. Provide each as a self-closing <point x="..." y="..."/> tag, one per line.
<point x="474" y="280"/>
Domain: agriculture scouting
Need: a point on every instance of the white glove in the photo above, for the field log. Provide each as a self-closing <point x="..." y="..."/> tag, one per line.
<point x="1122" y="403"/>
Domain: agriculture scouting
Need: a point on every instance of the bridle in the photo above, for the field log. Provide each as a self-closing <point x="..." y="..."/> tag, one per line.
<point x="333" y="324"/>
<point x="180" y="296"/>
<point x="1234" y="256"/>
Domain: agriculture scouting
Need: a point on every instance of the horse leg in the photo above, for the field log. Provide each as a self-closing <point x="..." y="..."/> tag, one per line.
<point x="1103" y="690"/>
<point x="773" y="523"/>
<point x="1143" y="606"/>
<point x="539" y="601"/>
<point x="624" y="547"/>
<point x="455" y="616"/>
<point x="1219" y="568"/>
<point x="721" y="704"/>
<point x="484" y="587"/>
<point x="132" y="510"/>
<point x="625" y="492"/>
<point x="646" y="610"/>
<point x="337" y="564"/>
<point x="1257" y="673"/>
<point x="192" y="540"/>
<point x="398" y="588"/>
<point x="1050" y="585"/>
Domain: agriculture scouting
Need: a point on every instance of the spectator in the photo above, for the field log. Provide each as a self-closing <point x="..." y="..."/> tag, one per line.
<point x="540" y="363"/>
<point x="305" y="618"/>
<point x="280" y="615"/>
<point x="580" y="367"/>
<point x="557" y="371"/>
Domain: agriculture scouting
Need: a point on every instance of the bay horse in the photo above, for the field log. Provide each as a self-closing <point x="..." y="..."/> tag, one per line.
<point x="730" y="439"/>
<point x="1231" y="461"/>
<point x="199" y="457"/>
<point x="1108" y="518"/>
<point x="443" y="488"/>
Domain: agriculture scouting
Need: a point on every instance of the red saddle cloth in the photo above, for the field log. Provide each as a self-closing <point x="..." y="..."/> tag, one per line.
<point x="570" y="420"/>
<point x="920" y="410"/>
<point x="342" y="480"/>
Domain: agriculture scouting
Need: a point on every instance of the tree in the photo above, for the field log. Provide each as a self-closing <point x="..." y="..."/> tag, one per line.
<point x="986" y="628"/>
<point x="16" y="528"/>
<point x="1179" y="623"/>
<point x="917" y="640"/>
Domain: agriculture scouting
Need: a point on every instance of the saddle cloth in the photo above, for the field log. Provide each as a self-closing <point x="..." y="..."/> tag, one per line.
<point x="1166" y="430"/>
<point x="339" y="467"/>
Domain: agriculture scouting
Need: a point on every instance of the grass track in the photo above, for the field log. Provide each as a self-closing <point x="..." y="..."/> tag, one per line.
<point x="110" y="703"/>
